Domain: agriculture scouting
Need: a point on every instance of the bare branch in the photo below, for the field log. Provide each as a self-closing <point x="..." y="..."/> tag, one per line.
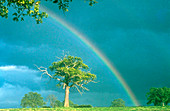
<point x="64" y="85"/>
<point x="45" y="72"/>
<point x="74" y="64"/>
<point x="59" y="58"/>
<point x="21" y="12"/>
<point x="84" y="88"/>
<point x="77" y="89"/>
<point x="94" y="81"/>
<point x="72" y="85"/>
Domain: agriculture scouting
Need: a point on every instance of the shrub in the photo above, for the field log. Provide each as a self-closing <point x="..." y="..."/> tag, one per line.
<point x="118" y="103"/>
<point x="83" y="106"/>
<point x="46" y="107"/>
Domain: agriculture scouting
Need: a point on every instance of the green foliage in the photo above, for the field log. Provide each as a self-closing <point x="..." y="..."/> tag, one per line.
<point x="71" y="103"/>
<point x="22" y="8"/>
<point x="118" y="103"/>
<point x="58" y="104"/>
<point x="33" y="100"/>
<point x="31" y="8"/>
<point x="158" y="96"/>
<point x="71" y="71"/>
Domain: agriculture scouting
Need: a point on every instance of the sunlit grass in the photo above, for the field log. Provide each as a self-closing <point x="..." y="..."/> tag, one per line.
<point x="145" y="108"/>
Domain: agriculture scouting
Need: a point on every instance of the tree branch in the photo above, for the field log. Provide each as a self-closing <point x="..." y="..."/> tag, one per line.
<point x="81" y="86"/>
<point x="64" y="85"/>
<point x="77" y="89"/>
<point x="45" y="72"/>
<point x="59" y="58"/>
<point x="21" y="12"/>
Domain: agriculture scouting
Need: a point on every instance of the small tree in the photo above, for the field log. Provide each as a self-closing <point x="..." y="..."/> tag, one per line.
<point x="70" y="72"/>
<point x="33" y="100"/>
<point x="118" y="103"/>
<point x="52" y="99"/>
<point x="158" y="96"/>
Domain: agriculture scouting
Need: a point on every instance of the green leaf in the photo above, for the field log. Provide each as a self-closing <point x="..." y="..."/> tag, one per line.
<point x="14" y="14"/>
<point x="22" y="19"/>
<point x="55" y="1"/>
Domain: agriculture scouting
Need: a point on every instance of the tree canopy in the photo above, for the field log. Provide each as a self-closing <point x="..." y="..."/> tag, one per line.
<point x="158" y="96"/>
<point x="33" y="100"/>
<point x="31" y="8"/>
<point x="70" y="72"/>
<point x="118" y="103"/>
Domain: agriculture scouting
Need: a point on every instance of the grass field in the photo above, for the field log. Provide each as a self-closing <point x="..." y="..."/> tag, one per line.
<point x="147" y="108"/>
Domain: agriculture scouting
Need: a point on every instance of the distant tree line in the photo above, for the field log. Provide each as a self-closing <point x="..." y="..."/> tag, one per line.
<point x="34" y="100"/>
<point x="155" y="96"/>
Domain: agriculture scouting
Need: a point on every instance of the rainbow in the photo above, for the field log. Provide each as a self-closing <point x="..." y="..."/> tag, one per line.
<point x="82" y="38"/>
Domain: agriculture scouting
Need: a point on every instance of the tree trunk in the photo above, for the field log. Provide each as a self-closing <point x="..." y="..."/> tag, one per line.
<point x="66" y="101"/>
<point x="163" y="104"/>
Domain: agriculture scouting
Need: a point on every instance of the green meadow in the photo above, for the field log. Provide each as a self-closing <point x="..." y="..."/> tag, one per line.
<point x="144" y="108"/>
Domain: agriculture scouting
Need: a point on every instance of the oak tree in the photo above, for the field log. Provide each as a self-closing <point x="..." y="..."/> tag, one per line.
<point x="70" y="72"/>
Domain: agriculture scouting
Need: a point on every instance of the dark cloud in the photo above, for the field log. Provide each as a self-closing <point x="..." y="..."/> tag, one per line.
<point x="21" y="75"/>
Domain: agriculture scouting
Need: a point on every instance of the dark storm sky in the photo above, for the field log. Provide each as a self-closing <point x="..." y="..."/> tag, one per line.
<point x="133" y="35"/>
